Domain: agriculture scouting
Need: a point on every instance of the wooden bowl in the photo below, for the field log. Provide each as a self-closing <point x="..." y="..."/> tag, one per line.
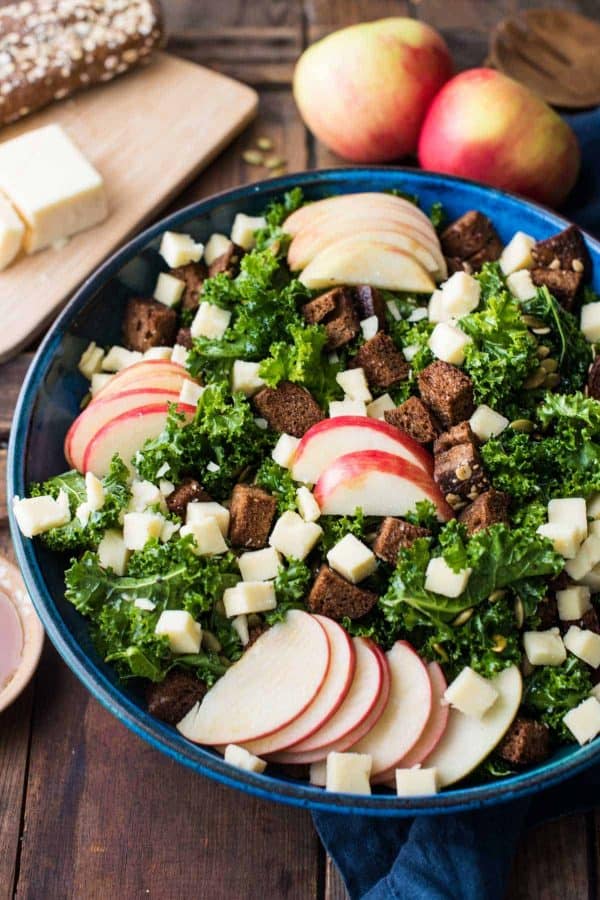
<point x="12" y="586"/>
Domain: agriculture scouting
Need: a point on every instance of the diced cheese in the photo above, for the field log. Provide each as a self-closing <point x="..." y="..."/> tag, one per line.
<point x="584" y="644"/>
<point x="307" y="505"/>
<point x="284" y="450"/>
<point x="410" y="351"/>
<point x="261" y="423"/>
<point x="352" y="559"/>
<point x="168" y="289"/>
<point x="213" y="466"/>
<point x="595" y="691"/>
<point x="12" y="233"/>
<point x="348" y="773"/>
<point x="112" y="552"/>
<point x="470" y="693"/>
<point x="240" y="626"/>
<point x="590" y="321"/>
<point x="436" y="310"/>
<point x="573" y="602"/>
<point x="83" y="513"/>
<point x="584" y="720"/>
<point x="119" y="358"/>
<point x="94" y="489"/>
<point x="53" y="186"/>
<point x="36" y="515"/>
<point x="376" y="409"/>
<point x="180" y="355"/>
<point x="585" y="559"/>
<point x="245" y="377"/>
<point x="166" y="487"/>
<point x="143" y="495"/>
<point x="570" y="511"/>
<point x="184" y="634"/>
<point x="544" y="648"/>
<point x="441" y="579"/>
<point x="190" y="393"/>
<point x="392" y="308"/>
<point x="259" y="565"/>
<point x="179" y="249"/>
<point x="145" y="604"/>
<point x="517" y="253"/>
<point x="294" y="537"/>
<point x="210" y="321"/>
<point x="564" y="538"/>
<point x="168" y="530"/>
<point x="416" y="782"/>
<point x="216" y="246"/>
<point x="249" y="597"/>
<point x="592" y="579"/>
<point x="369" y="327"/>
<point x="460" y="294"/>
<point x="354" y="384"/>
<point x="347" y="408"/>
<point x="593" y="507"/>
<point x="140" y="527"/>
<point x="487" y="423"/>
<point x="447" y="342"/>
<point x="99" y="380"/>
<point x="243" y="229"/>
<point x="418" y="314"/>
<point x="243" y="759"/>
<point x="90" y="361"/>
<point x="158" y="353"/>
<point x="521" y="285"/>
<point x="199" y="510"/>
<point x="207" y="535"/>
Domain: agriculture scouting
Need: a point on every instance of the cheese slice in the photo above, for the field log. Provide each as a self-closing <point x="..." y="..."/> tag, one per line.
<point x="52" y="185"/>
<point x="12" y="232"/>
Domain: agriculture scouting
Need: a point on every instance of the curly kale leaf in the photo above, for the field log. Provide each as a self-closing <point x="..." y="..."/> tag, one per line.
<point x="337" y="527"/>
<point x="551" y="691"/>
<point x="291" y="587"/>
<point x="273" y="235"/>
<point x="278" y="481"/>
<point x="413" y="335"/>
<point x="301" y="359"/>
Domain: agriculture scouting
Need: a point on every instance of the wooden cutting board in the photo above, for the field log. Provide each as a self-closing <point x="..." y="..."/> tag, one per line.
<point x="148" y="133"/>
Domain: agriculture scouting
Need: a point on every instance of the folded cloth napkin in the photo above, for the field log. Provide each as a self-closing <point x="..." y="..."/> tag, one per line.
<point x="465" y="856"/>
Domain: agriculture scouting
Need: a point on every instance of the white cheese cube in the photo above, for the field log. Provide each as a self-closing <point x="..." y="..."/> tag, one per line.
<point x="517" y="253"/>
<point x="243" y="759"/>
<point x="190" y="393"/>
<point x="416" y="782"/>
<point x="592" y="580"/>
<point x="294" y="537"/>
<point x="184" y="634"/>
<point x="249" y="597"/>
<point x="470" y="693"/>
<point x="584" y="720"/>
<point x="348" y="773"/>
<point x="441" y="579"/>
<point x="259" y="565"/>
<point x="487" y="423"/>
<point x="392" y="308"/>
<point x="216" y="246"/>
<point x="168" y="290"/>
<point x="593" y="507"/>
<point x="94" y="490"/>
<point x="212" y="467"/>
<point x="564" y="538"/>
<point x="210" y="321"/>
<point x="140" y="527"/>
<point x="521" y="285"/>
<point x="352" y="559"/>
<point x="377" y="409"/>
<point x="168" y="530"/>
<point x="90" y="361"/>
<point x="284" y="450"/>
<point x="199" y="510"/>
<point x="585" y="559"/>
<point x="12" y="233"/>
<point x="166" y="487"/>
<point x="145" y="604"/>
<point x="179" y="249"/>
<point x="112" y="552"/>
<point x="158" y="353"/>
<point x="318" y="773"/>
<point x="207" y="535"/>
<point x="595" y="691"/>
<point x="307" y="505"/>
<point x="573" y="602"/>
<point x="38" y="514"/>
<point x="544" y="648"/>
<point x="179" y="355"/>
<point x="99" y="380"/>
<point x="347" y="408"/>
<point x="369" y="327"/>
<point x="584" y="644"/>
<point x="119" y="358"/>
<point x="410" y="351"/>
<point x="83" y="513"/>
<point x="240" y="626"/>
<point x="245" y="377"/>
<point x="56" y="190"/>
<point x="590" y="321"/>
<point x="447" y="342"/>
<point x="460" y="294"/>
<point x="571" y="511"/>
<point x="354" y="384"/>
<point x="242" y="231"/>
<point x="436" y="309"/>
<point x="143" y="495"/>
<point x="418" y="314"/>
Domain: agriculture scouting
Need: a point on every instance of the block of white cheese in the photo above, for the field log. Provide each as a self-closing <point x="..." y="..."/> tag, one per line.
<point x="369" y="327"/>
<point x="471" y="693"/>
<point x="216" y="246"/>
<point x="573" y="602"/>
<point x="486" y="422"/>
<point x="140" y="527"/>
<point x="198" y="510"/>
<point x="245" y="377"/>
<point x="564" y="537"/>
<point x="377" y="409"/>
<point x="90" y="361"/>
<point x="12" y="233"/>
<point x="447" y="342"/>
<point x="584" y="720"/>
<point x="352" y="559"/>
<point x="416" y="782"/>
<point x="190" y="393"/>
<point x="168" y="289"/>
<point x="348" y="773"/>
<point x="347" y="407"/>
<point x="51" y="184"/>
<point x="210" y="321"/>
<point x="243" y="759"/>
<point x="354" y="384"/>
<point x="586" y="557"/>
<point x="259" y="565"/>
<point x="95" y="494"/>
<point x="307" y="505"/>
<point x="183" y="633"/>
<point x="112" y="552"/>
<point x="441" y="579"/>
<point x="584" y="644"/>
<point x="38" y="514"/>
<point x="179" y="249"/>
<point x="119" y="358"/>
<point x="590" y="321"/>
<point x="521" y="285"/>
<point x="284" y="451"/>
<point x="517" y="253"/>
<point x="544" y="648"/>
<point x="207" y="536"/>
<point x="571" y="511"/>
<point x="249" y="597"/>
<point x="143" y="495"/>
<point x="460" y="295"/>
<point x="244" y="228"/>
<point x="293" y="537"/>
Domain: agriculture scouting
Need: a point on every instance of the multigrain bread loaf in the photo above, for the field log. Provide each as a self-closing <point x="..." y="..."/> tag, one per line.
<point x="51" y="48"/>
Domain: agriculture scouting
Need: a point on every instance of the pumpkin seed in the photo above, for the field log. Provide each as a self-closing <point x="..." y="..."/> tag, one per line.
<point x="552" y="380"/>
<point x="541" y="331"/>
<point x="549" y="365"/>
<point x="253" y="157"/>
<point x="463" y="617"/>
<point x="519" y="612"/>
<point x="211" y="641"/>
<point x="496" y="595"/>
<point x="524" y="425"/>
<point x="264" y="143"/>
<point x="543" y="351"/>
<point x="534" y="322"/>
<point x="274" y="162"/>
<point x="499" y="644"/>
<point x="440" y="652"/>
<point x="535" y="380"/>
<point x="281" y="170"/>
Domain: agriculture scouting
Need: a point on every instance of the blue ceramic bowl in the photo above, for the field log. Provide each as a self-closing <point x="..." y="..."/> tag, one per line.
<point x="50" y="400"/>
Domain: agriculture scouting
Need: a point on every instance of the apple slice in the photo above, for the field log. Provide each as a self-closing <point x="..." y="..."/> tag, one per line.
<point x="380" y="483"/>
<point x="344" y="204"/>
<point x="331" y="438"/>
<point x="99" y="412"/>
<point x="468" y="740"/>
<point x="359" y="260"/>
<point x="126" y="434"/>
<point x="272" y="684"/>
<point x="148" y="372"/>
<point x="332" y="693"/>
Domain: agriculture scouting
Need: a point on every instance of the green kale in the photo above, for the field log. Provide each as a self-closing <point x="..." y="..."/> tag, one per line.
<point x="336" y="527"/>
<point x="301" y="359"/>
<point x="413" y="335"/>
<point x="278" y="481"/>
<point x="551" y="691"/>
<point x="291" y="587"/>
<point x="438" y="215"/>
<point x="276" y="214"/>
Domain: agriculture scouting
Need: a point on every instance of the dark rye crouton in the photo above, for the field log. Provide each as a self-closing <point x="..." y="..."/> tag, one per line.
<point x="547" y="611"/>
<point x="369" y="302"/>
<point x="193" y="275"/>
<point x="382" y="362"/>
<point x="288" y="408"/>
<point x="189" y="491"/>
<point x="393" y="535"/>
<point x="593" y="382"/>
<point x="458" y="434"/>
<point x="252" y="512"/>
<point x="335" y="311"/>
<point x="526" y="742"/>
<point x="563" y="285"/>
<point x="172" y="699"/>
<point x="490" y="508"/>
<point x="448" y="392"/>
<point x="333" y="596"/>
<point x="589" y="621"/>
<point x="415" y="419"/>
<point x="148" y="323"/>
<point x="470" y="241"/>
<point x="565" y="250"/>
<point x="227" y="263"/>
<point x="459" y="474"/>
<point x="184" y="337"/>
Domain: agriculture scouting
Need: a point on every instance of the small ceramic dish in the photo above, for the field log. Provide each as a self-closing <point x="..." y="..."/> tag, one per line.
<point x="21" y="635"/>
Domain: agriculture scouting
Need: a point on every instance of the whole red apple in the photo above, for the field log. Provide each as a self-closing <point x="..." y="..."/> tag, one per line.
<point x="485" y="126"/>
<point x="364" y="90"/>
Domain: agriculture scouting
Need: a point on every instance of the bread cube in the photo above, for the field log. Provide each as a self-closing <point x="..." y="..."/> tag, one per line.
<point x="140" y="527"/>
<point x="378" y="408"/>
<point x="197" y="510"/>
<point x="544" y="648"/>
<point x="210" y="321"/>
<point x="112" y="552"/>
<point x="179" y="249"/>
<point x="584" y="644"/>
<point x="573" y="602"/>
<point x="245" y="377"/>
<point x="184" y="634"/>
<point x="352" y="559"/>
<point x="354" y="384"/>
<point x="284" y="450"/>
<point x="38" y="514"/>
<point x="244" y="227"/>
<point x="470" y="693"/>
<point x="243" y="759"/>
<point x="487" y="423"/>
<point x="570" y="511"/>
<point x="441" y="579"/>
<point x="416" y="782"/>
<point x="293" y="537"/>
<point x="168" y="290"/>
<point x="447" y="342"/>
<point x="347" y="408"/>
<point x="517" y="253"/>
<point x="460" y="294"/>
<point x="348" y="773"/>
<point x="584" y="720"/>
<point x="590" y="321"/>
<point x="259" y="565"/>
<point x="307" y="505"/>
<point x="521" y="285"/>
<point x="207" y="535"/>
<point x="249" y="597"/>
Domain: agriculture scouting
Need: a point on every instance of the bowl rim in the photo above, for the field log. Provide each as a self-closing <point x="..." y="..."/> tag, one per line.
<point x="157" y="734"/>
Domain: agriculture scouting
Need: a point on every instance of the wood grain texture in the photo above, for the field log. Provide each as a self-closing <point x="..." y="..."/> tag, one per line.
<point x="12" y="375"/>
<point x="14" y="744"/>
<point x="552" y="863"/>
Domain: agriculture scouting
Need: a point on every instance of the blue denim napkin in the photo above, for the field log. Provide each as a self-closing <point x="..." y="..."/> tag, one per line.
<point x="466" y="856"/>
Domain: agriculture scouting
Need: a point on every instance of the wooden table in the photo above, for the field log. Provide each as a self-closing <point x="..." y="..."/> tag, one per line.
<point x="87" y="810"/>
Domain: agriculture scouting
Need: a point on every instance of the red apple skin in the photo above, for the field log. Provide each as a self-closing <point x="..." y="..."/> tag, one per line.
<point x="144" y="371"/>
<point x="364" y="90"/>
<point x="484" y="126"/>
